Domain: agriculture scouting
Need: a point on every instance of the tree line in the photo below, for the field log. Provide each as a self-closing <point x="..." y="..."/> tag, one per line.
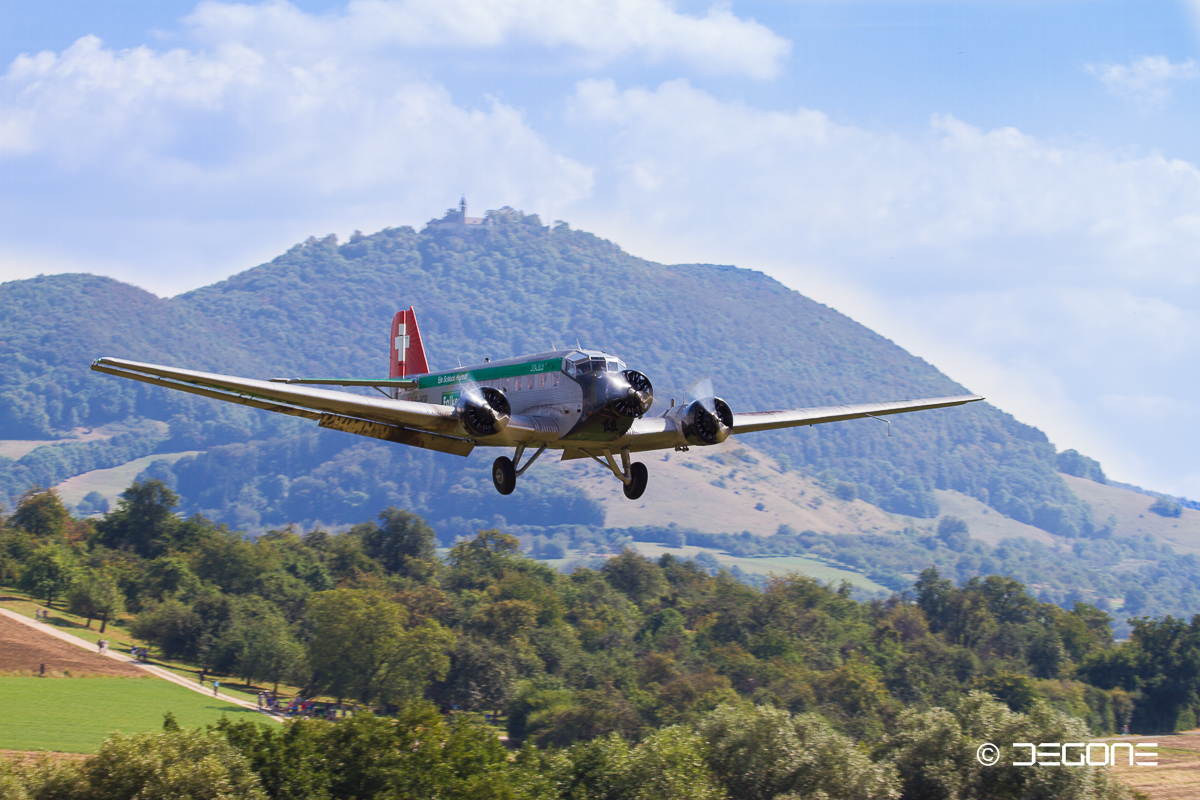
<point x="601" y="670"/>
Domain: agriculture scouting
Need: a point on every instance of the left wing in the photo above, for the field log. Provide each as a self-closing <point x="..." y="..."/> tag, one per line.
<point x="425" y="425"/>
<point x="751" y="421"/>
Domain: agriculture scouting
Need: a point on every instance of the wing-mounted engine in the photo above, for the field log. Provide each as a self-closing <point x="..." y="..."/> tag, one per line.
<point x="707" y="421"/>
<point x="484" y="410"/>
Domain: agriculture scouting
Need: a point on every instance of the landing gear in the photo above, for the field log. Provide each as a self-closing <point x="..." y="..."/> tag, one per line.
<point x="504" y="475"/>
<point x="638" y="475"/>
<point x="633" y="476"/>
<point x="505" y="472"/>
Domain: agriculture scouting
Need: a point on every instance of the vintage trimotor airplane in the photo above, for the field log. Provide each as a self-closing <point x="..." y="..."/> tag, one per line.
<point x="583" y="402"/>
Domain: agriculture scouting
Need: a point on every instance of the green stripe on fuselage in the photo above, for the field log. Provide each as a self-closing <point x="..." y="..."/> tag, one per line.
<point x="479" y="374"/>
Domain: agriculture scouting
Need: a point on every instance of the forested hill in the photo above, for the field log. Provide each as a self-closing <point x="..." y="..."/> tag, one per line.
<point x="512" y="287"/>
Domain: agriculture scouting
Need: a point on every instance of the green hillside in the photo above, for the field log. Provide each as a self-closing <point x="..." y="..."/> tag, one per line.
<point x="323" y="308"/>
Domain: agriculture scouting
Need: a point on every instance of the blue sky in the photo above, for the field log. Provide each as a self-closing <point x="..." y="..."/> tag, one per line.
<point x="1009" y="190"/>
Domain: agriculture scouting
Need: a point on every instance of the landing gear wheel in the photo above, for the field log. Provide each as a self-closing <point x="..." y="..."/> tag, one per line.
<point x="637" y="484"/>
<point x="504" y="475"/>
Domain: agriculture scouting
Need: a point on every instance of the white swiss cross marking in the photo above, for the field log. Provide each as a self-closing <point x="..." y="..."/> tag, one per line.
<point x="401" y="341"/>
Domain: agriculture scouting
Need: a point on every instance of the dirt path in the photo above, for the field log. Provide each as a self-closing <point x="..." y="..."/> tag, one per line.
<point x="54" y="653"/>
<point x="1177" y="776"/>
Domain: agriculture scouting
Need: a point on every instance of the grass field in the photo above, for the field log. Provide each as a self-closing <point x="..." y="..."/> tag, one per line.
<point x="112" y="481"/>
<point x="73" y="715"/>
<point x="779" y="565"/>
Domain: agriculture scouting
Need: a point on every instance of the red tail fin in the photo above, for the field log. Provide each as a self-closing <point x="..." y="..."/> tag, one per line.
<point x="408" y="354"/>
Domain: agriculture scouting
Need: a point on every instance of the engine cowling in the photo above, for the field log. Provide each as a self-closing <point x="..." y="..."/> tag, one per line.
<point x="707" y="422"/>
<point x="635" y="396"/>
<point x="484" y="411"/>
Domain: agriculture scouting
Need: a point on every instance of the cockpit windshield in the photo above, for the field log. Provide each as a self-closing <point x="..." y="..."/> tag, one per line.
<point x="588" y="363"/>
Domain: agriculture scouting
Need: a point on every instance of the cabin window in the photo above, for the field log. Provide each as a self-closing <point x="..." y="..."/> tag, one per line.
<point x="529" y="382"/>
<point x="556" y="379"/>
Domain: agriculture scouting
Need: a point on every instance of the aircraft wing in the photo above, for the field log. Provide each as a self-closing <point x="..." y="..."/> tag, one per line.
<point x="658" y="433"/>
<point x="748" y="422"/>
<point x="424" y="425"/>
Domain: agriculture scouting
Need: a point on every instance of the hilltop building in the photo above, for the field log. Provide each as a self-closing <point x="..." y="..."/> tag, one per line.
<point x="458" y="216"/>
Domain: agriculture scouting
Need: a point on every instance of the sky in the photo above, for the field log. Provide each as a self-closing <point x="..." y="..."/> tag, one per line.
<point x="1010" y="190"/>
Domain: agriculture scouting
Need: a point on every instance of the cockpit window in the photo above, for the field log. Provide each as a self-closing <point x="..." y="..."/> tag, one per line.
<point x="584" y="367"/>
<point x="598" y="364"/>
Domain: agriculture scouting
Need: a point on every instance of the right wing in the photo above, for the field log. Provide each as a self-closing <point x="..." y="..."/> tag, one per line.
<point x="660" y="433"/>
<point x="426" y="425"/>
<point x="748" y="422"/>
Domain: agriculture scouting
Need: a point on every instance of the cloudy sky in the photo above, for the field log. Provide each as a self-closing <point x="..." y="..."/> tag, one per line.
<point x="1008" y="189"/>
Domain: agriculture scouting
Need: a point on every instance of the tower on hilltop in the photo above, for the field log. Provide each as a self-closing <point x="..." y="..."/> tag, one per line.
<point x="458" y="216"/>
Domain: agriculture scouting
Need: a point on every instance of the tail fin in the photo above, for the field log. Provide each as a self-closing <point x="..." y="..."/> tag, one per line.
<point x="408" y="354"/>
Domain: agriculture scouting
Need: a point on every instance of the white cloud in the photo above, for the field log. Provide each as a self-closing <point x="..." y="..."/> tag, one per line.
<point x="165" y="148"/>
<point x="961" y="200"/>
<point x="1147" y="80"/>
<point x="597" y="31"/>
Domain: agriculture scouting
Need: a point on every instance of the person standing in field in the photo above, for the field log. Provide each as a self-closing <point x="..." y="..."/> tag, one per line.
<point x="216" y="686"/>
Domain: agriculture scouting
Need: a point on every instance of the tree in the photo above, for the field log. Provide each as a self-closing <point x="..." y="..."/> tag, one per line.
<point x="265" y="647"/>
<point x="174" y="627"/>
<point x="418" y="753"/>
<point x="1167" y="654"/>
<point x="96" y="594"/>
<point x="935" y="753"/>
<point x="954" y="532"/>
<point x="402" y="542"/>
<point x="41" y="513"/>
<point x="360" y="647"/>
<point x="638" y="577"/>
<point x="49" y="572"/>
<point x="144" y="521"/>
<point x="168" y="766"/>
<point x="667" y="765"/>
<point x="476" y="562"/>
<point x="1166" y="508"/>
<point x="760" y="753"/>
<point x="93" y="503"/>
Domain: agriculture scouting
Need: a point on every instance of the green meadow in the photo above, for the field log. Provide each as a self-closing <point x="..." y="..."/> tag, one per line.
<point x="74" y="715"/>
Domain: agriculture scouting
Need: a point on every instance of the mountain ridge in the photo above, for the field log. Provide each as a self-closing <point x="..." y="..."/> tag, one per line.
<point x="323" y="308"/>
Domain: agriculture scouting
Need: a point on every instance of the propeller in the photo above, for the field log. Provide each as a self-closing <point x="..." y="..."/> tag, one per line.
<point x="638" y="396"/>
<point x="706" y="419"/>
<point x="484" y="410"/>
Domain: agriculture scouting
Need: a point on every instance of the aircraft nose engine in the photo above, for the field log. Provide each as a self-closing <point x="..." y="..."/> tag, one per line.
<point x="630" y="394"/>
<point x="707" y="421"/>
<point x="484" y="411"/>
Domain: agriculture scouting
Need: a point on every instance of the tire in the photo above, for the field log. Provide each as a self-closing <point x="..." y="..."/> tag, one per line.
<point x="639" y="475"/>
<point x="504" y="475"/>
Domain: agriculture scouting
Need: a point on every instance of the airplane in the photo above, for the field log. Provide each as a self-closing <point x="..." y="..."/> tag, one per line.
<point x="586" y="403"/>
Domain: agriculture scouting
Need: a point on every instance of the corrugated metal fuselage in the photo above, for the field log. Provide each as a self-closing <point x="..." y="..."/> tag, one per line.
<point x="564" y="392"/>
